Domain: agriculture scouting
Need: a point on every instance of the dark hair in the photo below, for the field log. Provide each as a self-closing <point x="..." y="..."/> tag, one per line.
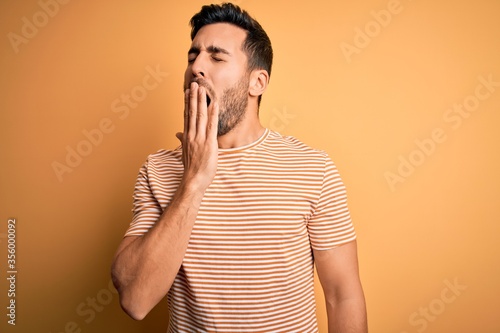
<point x="257" y="45"/>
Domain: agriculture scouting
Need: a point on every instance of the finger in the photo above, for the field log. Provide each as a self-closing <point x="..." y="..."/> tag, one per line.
<point x="186" y="126"/>
<point x="186" y="110"/>
<point x="193" y="110"/>
<point x="213" y="120"/>
<point x="201" y="115"/>
<point x="180" y="136"/>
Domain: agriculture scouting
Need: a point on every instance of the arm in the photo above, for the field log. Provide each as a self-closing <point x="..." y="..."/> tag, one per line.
<point x="339" y="276"/>
<point x="145" y="267"/>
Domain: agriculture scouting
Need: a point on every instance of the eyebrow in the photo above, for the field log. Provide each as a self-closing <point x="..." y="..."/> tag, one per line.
<point x="210" y="49"/>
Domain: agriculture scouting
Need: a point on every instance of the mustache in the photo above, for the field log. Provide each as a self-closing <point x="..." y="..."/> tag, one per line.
<point x="202" y="83"/>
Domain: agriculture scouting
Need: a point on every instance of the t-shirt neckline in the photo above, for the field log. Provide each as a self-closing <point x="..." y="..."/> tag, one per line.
<point x="257" y="142"/>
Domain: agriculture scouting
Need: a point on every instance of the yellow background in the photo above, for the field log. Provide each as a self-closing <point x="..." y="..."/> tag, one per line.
<point x="437" y="225"/>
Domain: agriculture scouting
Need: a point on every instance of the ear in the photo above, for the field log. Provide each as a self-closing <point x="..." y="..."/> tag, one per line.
<point x="259" y="79"/>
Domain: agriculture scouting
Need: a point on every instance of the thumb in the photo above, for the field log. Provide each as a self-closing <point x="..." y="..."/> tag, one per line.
<point x="179" y="135"/>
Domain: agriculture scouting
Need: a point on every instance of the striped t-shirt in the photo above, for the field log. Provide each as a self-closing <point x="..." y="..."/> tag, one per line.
<point x="249" y="266"/>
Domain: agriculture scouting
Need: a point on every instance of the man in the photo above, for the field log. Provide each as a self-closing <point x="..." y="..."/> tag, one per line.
<point x="230" y="224"/>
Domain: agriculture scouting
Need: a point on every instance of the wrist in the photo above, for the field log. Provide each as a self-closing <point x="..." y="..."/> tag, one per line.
<point x="192" y="188"/>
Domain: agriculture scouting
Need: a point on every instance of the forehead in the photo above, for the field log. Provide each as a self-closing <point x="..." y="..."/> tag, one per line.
<point x="224" y="35"/>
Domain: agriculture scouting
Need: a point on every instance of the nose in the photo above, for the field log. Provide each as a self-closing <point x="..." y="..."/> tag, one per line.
<point x="198" y="67"/>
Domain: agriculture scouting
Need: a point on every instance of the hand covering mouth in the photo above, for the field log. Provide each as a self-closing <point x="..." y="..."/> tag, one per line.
<point x="202" y="83"/>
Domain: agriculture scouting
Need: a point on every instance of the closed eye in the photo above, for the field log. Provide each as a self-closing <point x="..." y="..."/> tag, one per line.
<point x="215" y="52"/>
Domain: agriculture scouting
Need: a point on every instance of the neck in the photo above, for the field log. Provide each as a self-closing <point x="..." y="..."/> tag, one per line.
<point x="246" y="132"/>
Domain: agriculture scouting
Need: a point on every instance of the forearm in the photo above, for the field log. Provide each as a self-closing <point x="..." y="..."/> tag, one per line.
<point x="347" y="316"/>
<point x="145" y="269"/>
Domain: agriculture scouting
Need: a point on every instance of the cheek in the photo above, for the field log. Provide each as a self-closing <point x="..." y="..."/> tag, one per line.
<point x="224" y="81"/>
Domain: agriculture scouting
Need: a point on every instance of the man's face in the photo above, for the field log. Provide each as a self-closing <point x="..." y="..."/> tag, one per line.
<point x="217" y="62"/>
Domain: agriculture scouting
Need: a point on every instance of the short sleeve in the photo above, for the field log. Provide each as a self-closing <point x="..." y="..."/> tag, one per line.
<point x="146" y="209"/>
<point x="330" y="224"/>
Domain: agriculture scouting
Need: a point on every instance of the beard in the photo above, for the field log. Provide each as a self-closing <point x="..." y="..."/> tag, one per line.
<point x="232" y="104"/>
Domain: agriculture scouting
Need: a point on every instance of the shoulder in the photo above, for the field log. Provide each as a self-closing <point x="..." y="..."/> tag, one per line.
<point x="164" y="159"/>
<point x="290" y="145"/>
